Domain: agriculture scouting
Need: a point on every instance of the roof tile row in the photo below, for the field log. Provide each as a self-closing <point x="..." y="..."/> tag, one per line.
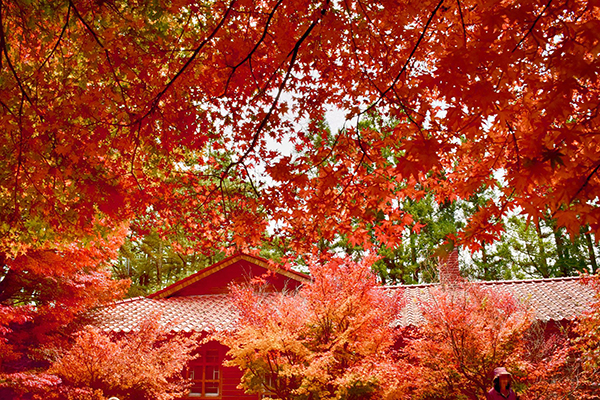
<point x="551" y="299"/>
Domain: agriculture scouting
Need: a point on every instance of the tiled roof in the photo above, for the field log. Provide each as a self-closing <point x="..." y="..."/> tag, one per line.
<point x="212" y="312"/>
<point x="552" y="299"/>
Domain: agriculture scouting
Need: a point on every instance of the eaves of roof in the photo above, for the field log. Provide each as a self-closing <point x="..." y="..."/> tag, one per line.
<point x="555" y="299"/>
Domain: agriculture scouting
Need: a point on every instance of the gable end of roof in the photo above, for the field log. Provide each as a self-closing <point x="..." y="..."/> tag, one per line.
<point x="261" y="262"/>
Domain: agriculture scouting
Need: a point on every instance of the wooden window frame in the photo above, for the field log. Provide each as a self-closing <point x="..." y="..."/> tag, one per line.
<point x="209" y="358"/>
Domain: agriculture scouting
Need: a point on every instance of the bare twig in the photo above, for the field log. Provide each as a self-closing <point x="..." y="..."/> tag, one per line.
<point x="410" y="56"/>
<point x="258" y="43"/>
<point x="532" y="26"/>
<point x="293" y="54"/>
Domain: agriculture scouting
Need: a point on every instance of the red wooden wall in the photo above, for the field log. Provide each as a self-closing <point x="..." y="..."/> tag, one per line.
<point x="229" y="376"/>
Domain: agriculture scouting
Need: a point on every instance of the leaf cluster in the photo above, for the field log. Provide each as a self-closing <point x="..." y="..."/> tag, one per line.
<point x="329" y="341"/>
<point x="145" y="364"/>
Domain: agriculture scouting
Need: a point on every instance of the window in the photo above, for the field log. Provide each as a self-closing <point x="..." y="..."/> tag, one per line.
<point x="205" y="373"/>
<point x="268" y="386"/>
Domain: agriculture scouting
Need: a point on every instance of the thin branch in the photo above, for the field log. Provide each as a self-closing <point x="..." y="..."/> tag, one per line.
<point x="19" y="159"/>
<point x="462" y="20"/>
<point x="2" y="42"/>
<point x="512" y="132"/>
<point x="350" y="180"/>
<point x="185" y="66"/>
<point x="84" y="22"/>
<point x="532" y="26"/>
<point x="250" y="180"/>
<point x="4" y="49"/>
<point x="134" y="154"/>
<point x="405" y="66"/>
<point x="587" y="180"/>
<point x="62" y="32"/>
<point x="360" y="144"/>
<point x="3" y="104"/>
<point x="294" y="54"/>
<point x="258" y="43"/>
<point x="106" y="53"/>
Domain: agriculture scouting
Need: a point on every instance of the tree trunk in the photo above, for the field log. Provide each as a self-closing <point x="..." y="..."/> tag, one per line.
<point x="543" y="267"/>
<point x="592" y="253"/>
<point x="484" y="260"/>
<point x="9" y="285"/>
<point x="560" y="251"/>
<point x="159" y="263"/>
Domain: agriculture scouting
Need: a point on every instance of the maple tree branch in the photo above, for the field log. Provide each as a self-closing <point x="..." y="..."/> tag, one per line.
<point x="62" y="33"/>
<point x="371" y="81"/>
<point x="250" y="180"/>
<point x="258" y="43"/>
<point x="360" y="145"/>
<point x="19" y="160"/>
<point x="107" y="54"/>
<point x="4" y="49"/>
<point x="333" y="146"/>
<point x="405" y="66"/>
<point x="189" y="61"/>
<point x="358" y="62"/>
<point x="532" y="26"/>
<point x="587" y="180"/>
<point x="350" y="180"/>
<point x="134" y="154"/>
<point x="407" y="111"/>
<point x="2" y="39"/>
<point x="251" y="67"/>
<point x="512" y="132"/>
<point x="223" y="204"/>
<point x="84" y="22"/>
<point x="293" y="54"/>
<point x="499" y="152"/>
<point x="462" y="20"/>
<point x="3" y="104"/>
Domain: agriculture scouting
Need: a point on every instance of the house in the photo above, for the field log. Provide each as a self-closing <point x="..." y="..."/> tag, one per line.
<point x="200" y="303"/>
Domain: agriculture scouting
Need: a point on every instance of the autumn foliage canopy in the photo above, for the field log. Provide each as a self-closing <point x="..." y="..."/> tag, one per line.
<point x="210" y="118"/>
<point x="109" y="108"/>
<point x="145" y="364"/>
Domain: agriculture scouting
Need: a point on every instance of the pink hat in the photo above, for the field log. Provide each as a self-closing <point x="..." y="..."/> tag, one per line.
<point x="501" y="371"/>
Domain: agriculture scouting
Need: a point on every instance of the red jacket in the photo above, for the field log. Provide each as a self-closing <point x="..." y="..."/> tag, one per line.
<point x="494" y="395"/>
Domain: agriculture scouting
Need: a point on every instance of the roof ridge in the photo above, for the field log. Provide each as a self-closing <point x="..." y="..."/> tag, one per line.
<point x="121" y="301"/>
<point x="191" y="296"/>
<point x="532" y="280"/>
<point x="501" y="282"/>
<point x="415" y="285"/>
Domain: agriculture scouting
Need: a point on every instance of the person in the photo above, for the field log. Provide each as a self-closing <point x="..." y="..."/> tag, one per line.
<point x="501" y="389"/>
